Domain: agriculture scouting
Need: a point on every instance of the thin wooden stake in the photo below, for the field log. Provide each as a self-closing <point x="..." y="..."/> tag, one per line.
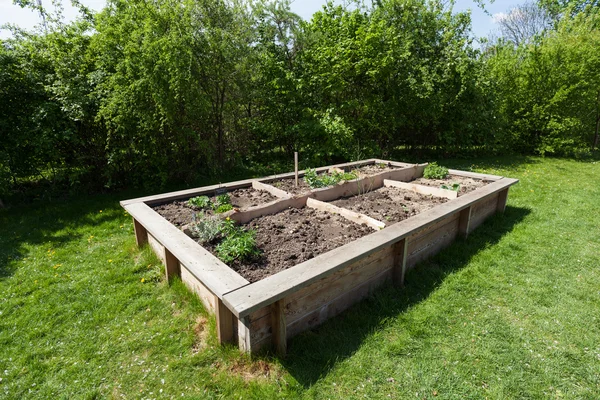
<point x="296" y="166"/>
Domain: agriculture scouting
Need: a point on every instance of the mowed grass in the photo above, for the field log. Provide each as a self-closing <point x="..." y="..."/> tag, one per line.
<point x="512" y="312"/>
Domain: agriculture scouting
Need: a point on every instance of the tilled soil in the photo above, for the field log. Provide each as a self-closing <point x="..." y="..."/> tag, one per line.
<point x="293" y="236"/>
<point x="373" y="169"/>
<point x="289" y="185"/>
<point x="179" y="213"/>
<point x="466" y="184"/>
<point x="389" y="204"/>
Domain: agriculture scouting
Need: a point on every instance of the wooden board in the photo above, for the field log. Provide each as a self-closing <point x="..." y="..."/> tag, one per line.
<point x="259" y="294"/>
<point x="207" y="297"/>
<point x="282" y="194"/>
<point x="245" y="216"/>
<point x="348" y="214"/>
<point x="481" y="211"/>
<point x="422" y="189"/>
<point x="207" y="269"/>
<point x="157" y="248"/>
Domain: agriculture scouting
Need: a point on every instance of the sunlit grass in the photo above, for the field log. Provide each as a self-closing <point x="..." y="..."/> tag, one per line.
<point x="510" y="313"/>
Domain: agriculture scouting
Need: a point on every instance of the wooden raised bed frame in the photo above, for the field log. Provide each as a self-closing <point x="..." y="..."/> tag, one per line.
<point x="270" y="311"/>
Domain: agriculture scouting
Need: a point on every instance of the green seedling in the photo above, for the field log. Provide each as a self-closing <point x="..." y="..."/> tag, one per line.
<point x="435" y="171"/>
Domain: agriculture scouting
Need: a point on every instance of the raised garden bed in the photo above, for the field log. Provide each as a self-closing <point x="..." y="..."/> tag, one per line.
<point x="359" y="234"/>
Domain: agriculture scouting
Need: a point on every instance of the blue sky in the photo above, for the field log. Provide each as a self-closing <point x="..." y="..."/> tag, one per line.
<point x="483" y="23"/>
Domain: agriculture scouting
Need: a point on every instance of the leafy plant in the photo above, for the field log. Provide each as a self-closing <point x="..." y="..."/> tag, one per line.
<point x="435" y="171"/>
<point x="201" y="202"/>
<point x="314" y="180"/>
<point x="223" y="208"/>
<point x="455" y="187"/>
<point x="207" y="228"/>
<point x="241" y="245"/>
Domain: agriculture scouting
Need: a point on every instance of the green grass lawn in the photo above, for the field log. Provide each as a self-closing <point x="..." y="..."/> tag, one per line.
<point x="513" y="312"/>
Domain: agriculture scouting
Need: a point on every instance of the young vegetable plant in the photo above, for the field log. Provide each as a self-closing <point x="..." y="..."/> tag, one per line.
<point x="315" y="181"/>
<point x="222" y="203"/>
<point x="241" y="245"/>
<point x="435" y="171"/>
<point x="201" y="202"/>
<point x="455" y="187"/>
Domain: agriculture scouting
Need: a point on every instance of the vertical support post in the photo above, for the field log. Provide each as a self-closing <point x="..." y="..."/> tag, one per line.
<point x="502" y="196"/>
<point x="278" y="327"/>
<point x="400" y="256"/>
<point x="171" y="265"/>
<point x="244" y="342"/>
<point x="141" y="234"/>
<point x="296" y="166"/>
<point x="224" y="322"/>
<point x="464" y="222"/>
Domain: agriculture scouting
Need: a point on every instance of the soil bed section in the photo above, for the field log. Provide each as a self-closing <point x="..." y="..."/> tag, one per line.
<point x="372" y="169"/>
<point x="466" y="184"/>
<point x="293" y="236"/>
<point x="389" y="204"/>
<point x="179" y="213"/>
<point x="289" y="185"/>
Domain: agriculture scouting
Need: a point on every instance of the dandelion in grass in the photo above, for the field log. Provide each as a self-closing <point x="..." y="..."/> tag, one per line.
<point x="142" y="280"/>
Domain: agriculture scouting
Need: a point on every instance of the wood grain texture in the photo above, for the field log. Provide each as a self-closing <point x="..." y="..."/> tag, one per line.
<point x="400" y="251"/>
<point x="502" y="198"/>
<point x="171" y="265"/>
<point x="278" y="326"/>
<point x="141" y="234"/>
<point x="422" y="189"/>
<point x="348" y="214"/>
<point x="464" y="222"/>
<point x="224" y="319"/>
<point x="245" y="216"/>
<point x="205" y="295"/>
<point x="157" y="248"/>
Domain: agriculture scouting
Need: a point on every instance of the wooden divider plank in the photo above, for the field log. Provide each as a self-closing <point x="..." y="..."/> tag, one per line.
<point x="278" y="327"/>
<point x="348" y="214"/>
<point x="282" y="194"/>
<point x="422" y="189"/>
<point x="141" y="234"/>
<point x="476" y="175"/>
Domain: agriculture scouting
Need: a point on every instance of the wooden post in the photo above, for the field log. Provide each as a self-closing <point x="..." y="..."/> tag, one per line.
<point x="171" y="265"/>
<point x="400" y="255"/>
<point x="224" y="322"/>
<point x="502" y="196"/>
<point x="464" y="222"/>
<point x="296" y="166"/>
<point x="141" y="234"/>
<point x="278" y="327"/>
<point x="244" y="342"/>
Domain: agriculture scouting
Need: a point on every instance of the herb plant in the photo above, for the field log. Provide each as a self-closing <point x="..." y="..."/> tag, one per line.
<point x="239" y="246"/>
<point x="435" y="171"/>
<point x="206" y="228"/>
<point x="318" y="181"/>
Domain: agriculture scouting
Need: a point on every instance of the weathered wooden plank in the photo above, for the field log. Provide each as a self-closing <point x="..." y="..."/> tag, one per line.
<point x="464" y="222"/>
<point x="244" y="343"/>
<point x="400" y="251"/>
<point x="502" y="197"/>
<point x="171" y="265"/>
<point x="205" y="295"/>
<point x="338" y="304"/>
<point x="244" y="216"/>
<point x="431" y="243"/>
<point x="482" y="210"/>
<point x="208" y="269"/>
<point x="476" y="175"/>
<point x="157" y="248"/>
<point x="141" y="234"/>
<point x="224" y="317"/>
<point x="422" y="189"/>
<point x="252" y="297"/>
<point x="282" y="194"/>
<point x="348" y="214"/>
<point x="278" y="325"/>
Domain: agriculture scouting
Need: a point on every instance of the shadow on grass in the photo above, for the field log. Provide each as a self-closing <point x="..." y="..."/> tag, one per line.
<point x="51" y="224"/>
<point x="312" y="354"/>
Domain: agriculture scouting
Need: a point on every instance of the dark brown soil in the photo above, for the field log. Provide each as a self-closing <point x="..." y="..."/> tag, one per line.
<point x="466" y="184"/>
<point x="289" y="185"/>
<point x="389" y="204"/>
<point x="373" y="169"/>
<point x="179" y="213"/>
<point x="294" y="236"/>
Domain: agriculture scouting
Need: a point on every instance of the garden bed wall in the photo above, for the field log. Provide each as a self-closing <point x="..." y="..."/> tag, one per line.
<point x="270" y="311"/>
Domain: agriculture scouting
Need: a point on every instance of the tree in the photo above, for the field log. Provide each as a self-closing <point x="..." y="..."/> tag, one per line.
<point x="523" y="23"/>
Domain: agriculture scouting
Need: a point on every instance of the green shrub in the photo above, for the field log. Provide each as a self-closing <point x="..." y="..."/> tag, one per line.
<point x="201" y="202"/>
<point x="435" y="171"/>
